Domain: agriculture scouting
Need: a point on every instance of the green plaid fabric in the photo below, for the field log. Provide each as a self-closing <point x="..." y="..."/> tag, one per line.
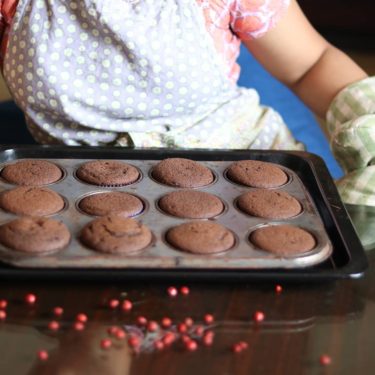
<point x="351" y="128"/>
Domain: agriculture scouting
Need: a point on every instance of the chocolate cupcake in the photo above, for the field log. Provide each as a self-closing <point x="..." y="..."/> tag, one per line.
<point x="258" y="174"/>
<point x="31" y="173"/>
<point x="114" y="202"/>
<point x="31" y="201"/>
<point x="114" y="234"/>
<point x="269" y="204"/>
<point x="201" y="237"/>
<point x="34" y="235"/>
<point x="184" y="173"/>
<point x="107" y="173"/>
<point x="191" y="204"/>
<point x="283" y="240"/>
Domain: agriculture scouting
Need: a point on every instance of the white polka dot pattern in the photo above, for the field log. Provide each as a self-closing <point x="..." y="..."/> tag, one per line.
<point x="97" y="71"/>
<point x="90" y="73"/>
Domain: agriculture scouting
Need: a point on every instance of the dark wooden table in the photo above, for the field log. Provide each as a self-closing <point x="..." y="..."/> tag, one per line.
<point x="302" y="323"/>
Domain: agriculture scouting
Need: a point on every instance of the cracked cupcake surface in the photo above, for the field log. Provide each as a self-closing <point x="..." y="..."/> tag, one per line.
<point x="36" y="235"/>
<point x="114" y="234"/>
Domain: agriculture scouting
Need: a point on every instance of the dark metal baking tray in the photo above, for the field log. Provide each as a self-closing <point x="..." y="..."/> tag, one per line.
<point x="160" y="254"/>
<point x="347" y="258"/>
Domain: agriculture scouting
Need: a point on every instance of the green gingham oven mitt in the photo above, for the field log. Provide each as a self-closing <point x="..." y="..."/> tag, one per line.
<point x="351" y="129"/>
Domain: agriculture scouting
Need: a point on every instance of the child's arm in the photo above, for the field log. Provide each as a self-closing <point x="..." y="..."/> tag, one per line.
<point x="296" y="54"/>
<point x="333" y="86"/>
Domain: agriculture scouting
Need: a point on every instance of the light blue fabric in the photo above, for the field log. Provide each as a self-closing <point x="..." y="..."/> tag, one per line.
<point x="297" y="116"/>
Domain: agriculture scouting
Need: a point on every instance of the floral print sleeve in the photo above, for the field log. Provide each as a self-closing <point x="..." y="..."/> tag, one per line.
<point x="7" y="10"/>
<point x="253" y="18"/>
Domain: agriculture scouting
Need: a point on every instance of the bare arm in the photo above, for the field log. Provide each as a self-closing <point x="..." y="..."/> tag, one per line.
<point x="296" y="54"/>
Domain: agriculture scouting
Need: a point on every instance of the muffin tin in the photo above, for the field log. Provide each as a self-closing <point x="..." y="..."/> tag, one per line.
<point x="243" y="260"/>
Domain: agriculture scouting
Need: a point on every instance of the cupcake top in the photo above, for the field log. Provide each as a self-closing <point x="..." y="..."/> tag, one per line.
<point x="184" y="173"/>
<point x="283" y="240"/>
<point x="113" y="202"/>
<point x="201" y="237"/>
<point x="192" y="204"/>
<point x="269" y="204"/>
<point x="31" y="201"/>
<point x="35" y="235"/>
<point x="258" y="174"/>
<point x="31" y="173"/>
<point x="114" y="234"/>
<point x="107" y="173"/>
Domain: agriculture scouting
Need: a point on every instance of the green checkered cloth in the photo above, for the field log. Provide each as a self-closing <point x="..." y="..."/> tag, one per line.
<point x="351" y="128"/>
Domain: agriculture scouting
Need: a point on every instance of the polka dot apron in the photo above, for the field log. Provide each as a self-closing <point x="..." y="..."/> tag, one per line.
<point x="133" y="73"/>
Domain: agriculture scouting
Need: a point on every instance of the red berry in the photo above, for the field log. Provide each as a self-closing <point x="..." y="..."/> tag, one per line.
<point x="120" y="334"/>
<point x="79" y="326"/>
<point x="133" y="342"/>
<point x="43" y="355"/>
<point x="113" y="330"/>
<point x="172" y="291"/>
<point x="184" y="290"/>
<point x="243" y="344"/>
<point x="199" y="330"/>
<point x="152" y="326"/>
<point x="325" y="360"/>
<point x="166" y="322"/>
<point x="169" y="338"/>
<point x="126" y="305"/>
<point x="3" y="315"/>
<point x="30" y="298"/>
<point x="278" y="289"/>
<point x="105" y="343"/>
<point x="189" y="321"/>
<point x="191" y="345"/>
<point x="58" y="311"/>
<point x="3" y="303"/>
<point x="209" y="333"/>
<point x="237" y="348"/>
<point x="113" y="303"/>
<point x="182" y="328"/>
<point x="207" y="340"/>
<point x="208" y="318"/>
<point x="159" y="345"/>
<point x="53" y="325"/>
<point x="81" y="318"/>
<point x="141" y="320"/>
<point x="258" y="316"/>
<point x="185" y="338"/>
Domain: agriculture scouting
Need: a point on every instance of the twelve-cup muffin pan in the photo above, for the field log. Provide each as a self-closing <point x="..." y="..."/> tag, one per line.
<point x="316" y="216"/>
